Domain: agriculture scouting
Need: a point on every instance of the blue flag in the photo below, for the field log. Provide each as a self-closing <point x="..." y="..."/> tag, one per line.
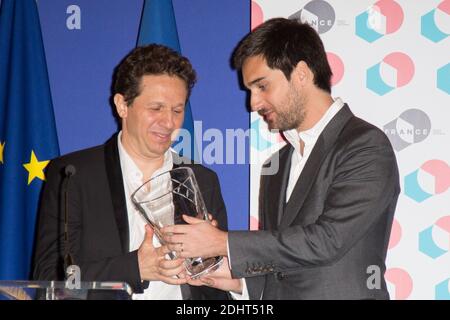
<point x="28" y="137"/>
<point x="158" y="25"/>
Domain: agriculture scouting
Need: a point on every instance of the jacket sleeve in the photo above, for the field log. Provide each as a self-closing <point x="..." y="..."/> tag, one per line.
<point x="365" y="184"/>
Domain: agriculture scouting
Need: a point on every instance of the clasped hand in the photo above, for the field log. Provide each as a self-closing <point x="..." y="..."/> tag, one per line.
<point x="198" y="238"/>
<point x="153" y="264"/>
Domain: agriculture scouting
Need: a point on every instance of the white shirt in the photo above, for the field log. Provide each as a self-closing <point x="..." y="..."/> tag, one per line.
<point x="133" y="179"/>
<point x="309" y="138"/>
<point x="298" y="160"/>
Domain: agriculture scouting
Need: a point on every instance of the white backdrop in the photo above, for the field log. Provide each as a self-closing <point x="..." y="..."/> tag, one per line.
<point x="391" y="64"/>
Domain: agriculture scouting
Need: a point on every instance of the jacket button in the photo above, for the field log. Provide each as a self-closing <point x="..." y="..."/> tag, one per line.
<point x="280" y="275"/>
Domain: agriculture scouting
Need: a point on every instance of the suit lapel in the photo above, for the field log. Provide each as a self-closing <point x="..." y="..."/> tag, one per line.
<point x="274" y="191"/>
<point x="285" y="169"/>
<point x="115" y="180"/>
<point x="304" y="183"/>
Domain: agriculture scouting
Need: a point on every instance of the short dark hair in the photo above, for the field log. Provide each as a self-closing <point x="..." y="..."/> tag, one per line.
<point x="283" y="43"/>
<point x="152" y="59"/>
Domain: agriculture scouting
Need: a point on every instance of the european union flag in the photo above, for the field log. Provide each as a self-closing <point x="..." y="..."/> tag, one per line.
<point x="158" y="25"/>
<point x="28" y="137"/>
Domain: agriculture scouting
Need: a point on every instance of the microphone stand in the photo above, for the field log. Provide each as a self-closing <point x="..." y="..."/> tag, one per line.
<point x="68" y="259"/>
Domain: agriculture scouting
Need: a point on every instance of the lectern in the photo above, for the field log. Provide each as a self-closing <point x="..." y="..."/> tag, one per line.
<point x="63" y="290"/>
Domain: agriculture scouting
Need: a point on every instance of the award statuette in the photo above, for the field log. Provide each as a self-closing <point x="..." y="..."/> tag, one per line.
<point x="163" y="200"/>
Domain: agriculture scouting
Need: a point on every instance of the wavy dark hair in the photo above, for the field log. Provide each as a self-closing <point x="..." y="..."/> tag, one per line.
<point x="152" y="59"/>
<point x="283" y="43"/>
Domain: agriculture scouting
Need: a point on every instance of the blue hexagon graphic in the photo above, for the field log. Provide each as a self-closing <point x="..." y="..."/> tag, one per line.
<point x="363" y="30"/>
<point x="442" y="291"/>
<point x="443" y="78"/>
<point x="257" y="141"/>
<point x="429" y="29"/>
<point x="412" y="188"/>
<point x="427" y="245"/>
<point x="374" y="81"/>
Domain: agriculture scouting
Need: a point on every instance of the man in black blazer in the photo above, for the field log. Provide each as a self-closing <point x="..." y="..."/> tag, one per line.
<point x="107" y="238"/>
<point x="325" y="215"/>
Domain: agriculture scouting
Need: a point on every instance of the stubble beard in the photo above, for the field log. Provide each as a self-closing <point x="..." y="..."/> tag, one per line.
<point x="293" y="115"/>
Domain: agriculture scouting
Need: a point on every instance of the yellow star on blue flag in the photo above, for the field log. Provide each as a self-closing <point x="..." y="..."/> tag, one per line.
<point x="35" y="168"/>
<point x="2" y="147"/>
<point x="27" y="124"/>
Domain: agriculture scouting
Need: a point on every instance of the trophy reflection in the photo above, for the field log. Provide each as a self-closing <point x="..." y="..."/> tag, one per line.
<point x="163" y="200"/>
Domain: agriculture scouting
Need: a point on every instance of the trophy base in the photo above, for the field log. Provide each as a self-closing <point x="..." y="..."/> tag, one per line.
<point x="198" y="267"/>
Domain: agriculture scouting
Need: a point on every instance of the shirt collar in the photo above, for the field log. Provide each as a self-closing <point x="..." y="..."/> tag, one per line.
<point x="129" y="167"/>
<point x="311" y="135"/>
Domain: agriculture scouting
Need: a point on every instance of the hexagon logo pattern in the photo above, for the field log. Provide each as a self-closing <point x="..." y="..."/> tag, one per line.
<point x="443" y="78"/>
<point x="442" y="290"/>
<point x="394" y="71"/>
<point x="432" y="178"/>
<point x="382" y="18"/>
<point x="399" y="282"/>
<point x="435" y="24"/>
<point x="434" y="241"/>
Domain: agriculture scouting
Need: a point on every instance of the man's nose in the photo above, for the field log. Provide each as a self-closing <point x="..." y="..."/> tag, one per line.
<point x="167" y="120"/>
<point x="256" y="103"/>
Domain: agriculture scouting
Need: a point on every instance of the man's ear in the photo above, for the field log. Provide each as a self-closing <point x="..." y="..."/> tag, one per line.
<point x="121" y="105"/>
<point x="302" y="73"/>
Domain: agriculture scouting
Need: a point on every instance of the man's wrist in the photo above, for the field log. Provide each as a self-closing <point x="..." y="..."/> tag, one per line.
<point x="238" y="290"/>
<point x="224" y="245"/>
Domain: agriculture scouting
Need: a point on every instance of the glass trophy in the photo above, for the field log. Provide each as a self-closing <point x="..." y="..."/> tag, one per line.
<point x="163" y="200"/>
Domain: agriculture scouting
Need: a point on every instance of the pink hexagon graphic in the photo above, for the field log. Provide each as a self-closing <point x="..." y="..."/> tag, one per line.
<point x="444" y="224"/>
<point x="257" y="16"/>
<point x="445" y="6"/>
<point x="434" y="241"/>
<point x="403" y="67"/>
<point x="437" y="172"/>
<point x="401" y="280"/>
<point x="382" y="18"/>
<point x="441" y="17"/>
<point x="392" y="12"/>
<point x="337" y="67"/>
<point x="396" y="234"/>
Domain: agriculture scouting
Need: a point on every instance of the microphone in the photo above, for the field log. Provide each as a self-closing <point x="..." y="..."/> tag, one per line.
<point x="69" y="171"/>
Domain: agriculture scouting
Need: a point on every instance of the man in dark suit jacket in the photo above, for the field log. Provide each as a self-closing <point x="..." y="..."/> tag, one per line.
<point x="152" y="85"/>
<point x="326" y="214"/>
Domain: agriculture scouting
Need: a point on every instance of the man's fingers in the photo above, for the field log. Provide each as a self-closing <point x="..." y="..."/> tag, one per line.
<point x="173" y="238"/>
<point x="163" y="250"/>
<point x="174" y="281"/>
<point x="171" y="272"/>
<point x="174" y="229"/>
<point x="179" y="249"/>
<point x="213" y="221"/>
<point x="148" y="234"/>
<point x="203" y="281"/>
<point x="207" y="281"/>
<point x="171" y="264"/>
<point x="192" y="220"/>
